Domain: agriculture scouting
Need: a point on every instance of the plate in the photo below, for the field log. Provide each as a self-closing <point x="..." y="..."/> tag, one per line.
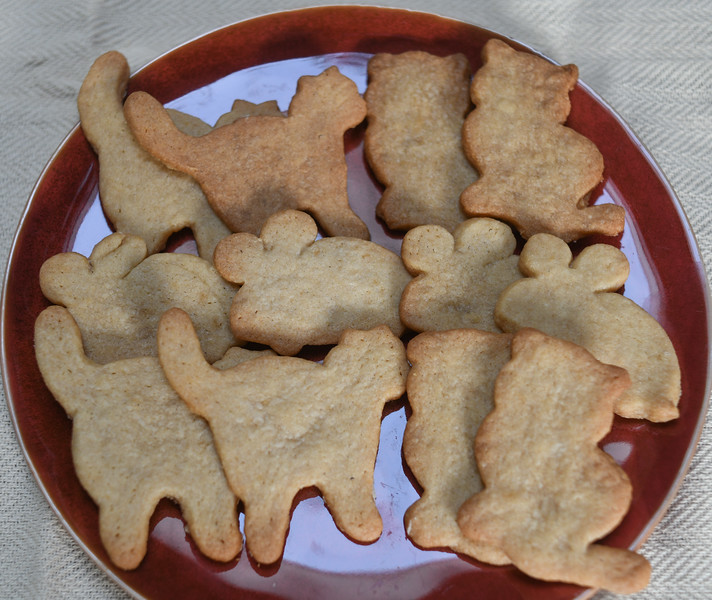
<point x="261" y="59"/>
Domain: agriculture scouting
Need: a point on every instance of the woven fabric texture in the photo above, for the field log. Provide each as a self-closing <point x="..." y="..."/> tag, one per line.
<point x="651" y="60"/>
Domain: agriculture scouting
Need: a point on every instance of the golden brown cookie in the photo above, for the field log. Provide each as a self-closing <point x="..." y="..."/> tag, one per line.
<point x="139" y="194"/>
<point x="549" y="491"/>
<point x="243" y="108"/>
<point x="253" y="167"/>
<point x="189" y="124"/>
<point x="118" y="294"/>
<point x="574" y="299"/>
<point x="417" y="103"/>
<point x="297" y="290"/>
<point x="240" y="108"/>
<point x="285" y="423"/>
<point x="458" y="276"/>
<point x="450" y="389"/>
<point x="134" y="441"/>
<point x="535" y="172"/>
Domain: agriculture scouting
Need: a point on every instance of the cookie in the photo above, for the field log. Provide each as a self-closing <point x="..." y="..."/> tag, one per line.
<point x="243" y="108"/>
<point x="134" y="442"/>
<point x="189" y="124"/>
<point x="118" y="294"/>
<point x="417" y="103"/>
<point x="574" y="299"/>
<point x="450" y="390"/>
<point x="256" y="166"/>
<point x="284" y="423"/>
<point x="298" y="290"/>
<point x="458" y="277"/>
<point x="139" y="195"/>
<point x="196" y="127"/>
<point x="549" y="491"/>
<point x="535" y="172"/>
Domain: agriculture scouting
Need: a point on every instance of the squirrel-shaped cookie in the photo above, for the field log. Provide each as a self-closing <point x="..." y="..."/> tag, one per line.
<point x="118" y="294"/>
<point x="535" y="172"/>
<point x="550" y="492"/>
<point x="139" y="195"/>
<point x="574" y="300"/>
<point x="253" y="167"/>
<point x="134" y="441"/>
<point x="458" y="276"/>
<point x="298" y="290"/>
<point x="283" y="423"/>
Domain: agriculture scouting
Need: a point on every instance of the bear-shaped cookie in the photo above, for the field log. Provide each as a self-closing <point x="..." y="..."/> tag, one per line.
<point x="575" y="300"/>
<point x="118" y="294"/>
<point x="283" y="423"/>
<point x="450" y="390"/>
<point x="134" y="441"/>
<point x="417" y="104"/>
<point x="298" y="290"/>
<point x="535" y="172"/>
<point x="549" y="491"/>
<point x="458" y="276"/>
<point x="138" y="193"/>
<point x="253" y="167"/>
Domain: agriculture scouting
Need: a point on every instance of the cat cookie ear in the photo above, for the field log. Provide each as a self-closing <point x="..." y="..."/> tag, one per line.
<point x="496" y="50"/>
<point x="604" y="267"/>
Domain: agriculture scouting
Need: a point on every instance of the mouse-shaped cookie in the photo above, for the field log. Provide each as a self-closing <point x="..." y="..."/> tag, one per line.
<point x="298" y="290"/>
<point x="118" y="294"/>
<point x="575" y="299"/>
<point x="458" y="276"/>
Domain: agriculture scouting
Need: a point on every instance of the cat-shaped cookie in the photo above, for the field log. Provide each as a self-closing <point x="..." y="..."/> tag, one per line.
<point x="283" y="423"/>
<point x="417" y="103"/>
<point x="139" y="195"/>
<point x="450" y="390"/>
<point x="253" y="167"/>
<point x="134" y="441"/>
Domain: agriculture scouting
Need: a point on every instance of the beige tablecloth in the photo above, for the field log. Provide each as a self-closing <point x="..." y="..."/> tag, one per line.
<point x="650" y="59"/>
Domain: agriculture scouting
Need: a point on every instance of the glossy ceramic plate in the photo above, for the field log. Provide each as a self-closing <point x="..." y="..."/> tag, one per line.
<point x="261" y="59"/>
